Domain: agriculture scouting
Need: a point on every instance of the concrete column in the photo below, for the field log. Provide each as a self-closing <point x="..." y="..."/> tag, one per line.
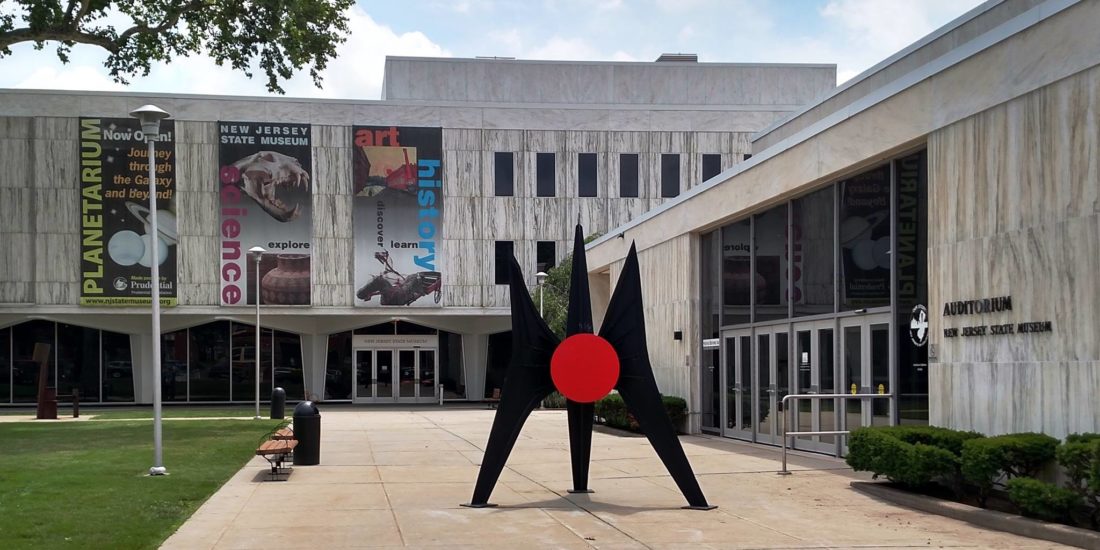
<point x="475" y="352"/>
<point x="315" y="357"/>
<point x="141" y="356"/>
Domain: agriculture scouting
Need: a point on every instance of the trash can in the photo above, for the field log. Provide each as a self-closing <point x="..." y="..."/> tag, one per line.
<point x="278" y="404"/>
<point x="307" y="430"/>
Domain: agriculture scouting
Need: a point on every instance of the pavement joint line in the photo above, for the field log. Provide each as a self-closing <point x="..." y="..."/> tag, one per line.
<point x="576" y="504"/>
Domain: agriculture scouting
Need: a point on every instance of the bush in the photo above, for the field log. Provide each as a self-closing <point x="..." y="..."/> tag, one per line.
<point x="1079" y="455"/>
<point x="612" y="409"/>
<point x="1043" y="500"/>
<point x="554" y="401"/>
<point x="944" y="438"/>
<point x="987" y="461"/>
<point x="881" y="452"/>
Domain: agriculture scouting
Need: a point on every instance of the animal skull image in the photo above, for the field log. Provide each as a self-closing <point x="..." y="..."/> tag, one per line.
<point x="264" y="177"/>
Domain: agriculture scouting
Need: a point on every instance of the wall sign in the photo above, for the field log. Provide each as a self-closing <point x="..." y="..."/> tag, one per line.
<point x="711" y="343"/>
<point x="918" y="325"/>
<point x="989" y="305"/>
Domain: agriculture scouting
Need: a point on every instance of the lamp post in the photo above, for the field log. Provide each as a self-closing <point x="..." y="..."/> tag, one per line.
<point x="257" y="254"/>
<point x="150" y="116"/>
<point x="540" y="277"/>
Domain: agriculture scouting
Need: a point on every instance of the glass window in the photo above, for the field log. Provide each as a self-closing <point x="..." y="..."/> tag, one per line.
<point x="452" y="377"/>
<point x="811" y="257"/>
<point x="288" y="365"/>
<point x="499" y="355"/>
<point x="338" y="367"/>
<point x="865" y="240"/>
<point x="118" y="368"/>
<point x="24" y="369"/>
<point x="770" y="236"/>
<point x="503" y="255"/>
<point x="670" y="175"/>
<point x="737" y="280"/>
<point x="546" y="258"/>
<point x="173" y="366"/>
<point x="710" y="279"/>
<point x="78" y="361"/>
<point x="544" y="174"/>
<point x="712" y="166"/>
<point x="5" y="365"/>
<point x="504" y="177"/>
<point x="628" y="175"/>
<point x="210" y="355"/>
<point x="586" y="175"/>
<point x="243" y="362"/>
<point x="911" y="181"/>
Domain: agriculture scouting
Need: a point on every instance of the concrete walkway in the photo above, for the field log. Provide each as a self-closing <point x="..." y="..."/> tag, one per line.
<point x="395" y="478"/>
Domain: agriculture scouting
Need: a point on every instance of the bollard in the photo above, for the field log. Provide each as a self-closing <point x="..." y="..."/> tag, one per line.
<point x="278" y="404"/>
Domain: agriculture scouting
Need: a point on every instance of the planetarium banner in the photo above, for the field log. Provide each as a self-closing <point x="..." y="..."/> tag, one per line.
<point x="115" y="256"/>
<point x="266" y="200"/>
<point x="397" y="175"/>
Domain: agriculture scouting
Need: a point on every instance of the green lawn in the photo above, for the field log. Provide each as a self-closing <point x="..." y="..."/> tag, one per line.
<point x="82" y="484"/>
<point x="175" y="412"/>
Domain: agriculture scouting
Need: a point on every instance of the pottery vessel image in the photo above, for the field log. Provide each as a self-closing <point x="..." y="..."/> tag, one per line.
<point x="289" y="282"/>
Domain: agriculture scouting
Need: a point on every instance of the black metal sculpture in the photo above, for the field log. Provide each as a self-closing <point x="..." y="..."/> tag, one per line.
<point x="528" y="379"/>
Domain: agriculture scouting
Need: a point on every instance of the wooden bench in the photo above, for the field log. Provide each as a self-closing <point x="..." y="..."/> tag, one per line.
<point x="284" y="434"/>
<point x="276" y="451"/>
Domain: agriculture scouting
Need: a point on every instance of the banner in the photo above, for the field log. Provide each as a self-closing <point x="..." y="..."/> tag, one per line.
<point x="397" y="175"/>
<point x="865" y="239"/>
<point x="266" y="200"/>
<point x="114" y="213"/>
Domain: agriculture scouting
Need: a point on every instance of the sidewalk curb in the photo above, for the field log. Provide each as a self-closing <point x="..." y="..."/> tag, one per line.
<point x="990" y="519"/>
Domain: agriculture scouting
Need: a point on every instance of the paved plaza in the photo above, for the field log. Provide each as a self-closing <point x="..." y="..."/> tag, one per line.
<point x="395" y="478"/>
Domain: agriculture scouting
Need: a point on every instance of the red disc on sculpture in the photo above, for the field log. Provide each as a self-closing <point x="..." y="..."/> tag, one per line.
<point x="584" y="367"/>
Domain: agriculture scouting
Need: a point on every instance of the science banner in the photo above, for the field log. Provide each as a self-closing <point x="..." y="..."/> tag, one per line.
<point x="865" y="239"/>
<point x="266" y="200"/>
<point x="397" y="175"/>
<point x="114" y="213"/>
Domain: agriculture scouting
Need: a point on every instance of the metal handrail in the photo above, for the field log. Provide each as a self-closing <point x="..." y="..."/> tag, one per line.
<point x="798" y="396"/>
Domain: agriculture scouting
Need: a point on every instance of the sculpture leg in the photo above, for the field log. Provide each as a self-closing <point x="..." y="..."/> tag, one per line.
<point x="580" y="442"/>
<point x="520" y="396"/>
<point x="644" y="402"/>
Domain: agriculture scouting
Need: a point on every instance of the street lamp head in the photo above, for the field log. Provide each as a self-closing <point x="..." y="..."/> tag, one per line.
<point x="257" y="252"/>
<point x="149" y="116"/>
<point x="541" y="276"/>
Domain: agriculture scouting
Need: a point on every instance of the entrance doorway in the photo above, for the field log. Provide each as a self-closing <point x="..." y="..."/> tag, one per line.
<point x="814" y="373"/>
<point x="865" y="359"/>
<point x="396" y="369"/>
<point x="737" y="349"/>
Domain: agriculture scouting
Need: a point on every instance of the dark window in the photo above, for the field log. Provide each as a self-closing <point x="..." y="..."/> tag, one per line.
<point x="712" y="166"/>
<point x="24" y="369"/>
<point x="865" y="240"/>
<point x="338" y="366"/>
<point x="210" y="354"/>
<point x="5" y="365"/>
<point x="544" y="174"/>
<point x="628" y="175"/>
<point x="747" y="156"/>
<point x="545" y="254"/>
<point x="173" y="366"/>
<point x="288" y="365"/>
<point x="811" y="257"/>
<point x="244" y="361"/>
<point x="586" y="174"/>
<point x="78" y="361"/>
<point x="504" y="174"/>
<point x="911" y="276"/>
<point x="670" y="175"/>
<point x="772" y="263"/>
<point x="504" y="253"/>
<point x="737" y="279"/>
<point x="118" y="369"/>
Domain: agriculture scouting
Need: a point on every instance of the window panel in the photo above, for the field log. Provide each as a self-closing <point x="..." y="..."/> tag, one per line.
<point x="5" y="365"/>
<point x="545" y="174"/>
<point x="173" y="366"/>
<point x="78" y="361"/>
<point x="586" y="175"/>
<point x="712" y="166"/>
<point x="503" y="175"/>
<point x="865" y="240"/>
<point x="670" y="175"/>
<point x="338" y="367"/>
<point x="288" y="365"/>
<point x="546" y="257"/>
<point x="24" y="369"/>
<point x="209" y="371"/>
<point x="737" y="279"/>
<point x="812" y="237"/>
<point x="770" y="235"/>
<point x="503" y="256"/>
<point x="628" y="175"/>
<point x="118" y="368"/>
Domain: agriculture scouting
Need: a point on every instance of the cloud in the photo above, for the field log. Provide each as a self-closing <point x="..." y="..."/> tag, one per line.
<point x="69" y="78"/>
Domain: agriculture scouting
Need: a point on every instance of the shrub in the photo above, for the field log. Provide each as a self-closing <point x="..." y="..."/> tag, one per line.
<point x="881" y="452"/>
<point x="554" y="401"/>
<point x="1043" y="500"/>
<point x="989" y="460"/>
<point x="612" y="409"/>
<point x="1079" y="455"/>
<point x="944" y="438"/>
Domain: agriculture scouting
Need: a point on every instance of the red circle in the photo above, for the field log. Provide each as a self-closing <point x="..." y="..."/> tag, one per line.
<point x="584" y="367"/>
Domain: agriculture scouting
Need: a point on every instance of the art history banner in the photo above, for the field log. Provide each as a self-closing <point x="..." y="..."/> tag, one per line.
<point x="397" y="175"/>
<point x="265" y="200"/>
<point x="116" y="256"/>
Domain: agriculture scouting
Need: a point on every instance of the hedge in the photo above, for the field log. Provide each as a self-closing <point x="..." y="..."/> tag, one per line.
<point x="884" y="452"/>
<point x="1043" y="500"/>
<point x="988" y="460"/>
<point x="612" y="409"/>
<point x="1079" y="455"/>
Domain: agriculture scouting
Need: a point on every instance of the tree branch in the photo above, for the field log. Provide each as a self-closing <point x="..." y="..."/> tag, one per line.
<point x="68" y="35"/>
<point x="169" y="22"/>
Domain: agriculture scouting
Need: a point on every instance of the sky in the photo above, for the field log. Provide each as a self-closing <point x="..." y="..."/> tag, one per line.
<point x="853" y="34"/>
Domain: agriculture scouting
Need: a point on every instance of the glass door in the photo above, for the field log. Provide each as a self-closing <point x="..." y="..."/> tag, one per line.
<point x="865" y="357"/>
<point x="396" y="375"/>
<point x="364" y="374"/>
<point x="711" y="404"/>
<point x="772" y="381"/>
<point x="737" y="352"/>
<point x="814" y="374"/>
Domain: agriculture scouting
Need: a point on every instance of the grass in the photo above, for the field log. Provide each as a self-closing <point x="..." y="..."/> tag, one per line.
<point x="176" y="412"/>
<point x="82" y="485"/>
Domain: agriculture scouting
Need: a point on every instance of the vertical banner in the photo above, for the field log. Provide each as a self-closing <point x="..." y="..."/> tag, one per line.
<point x="114" y="213"/>
<point x="266" y="200"/>
<point x="397" y="175"/>
<point x="865" y="239"/>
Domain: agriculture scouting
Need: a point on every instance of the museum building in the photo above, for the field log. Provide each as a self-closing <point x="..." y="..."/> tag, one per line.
<point x="387" y="224"/>
<point x="925" y="236"/>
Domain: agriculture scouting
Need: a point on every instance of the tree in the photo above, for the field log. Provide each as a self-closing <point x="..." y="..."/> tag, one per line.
<point x="556" y="292"/>
<point x="281" y="36"/>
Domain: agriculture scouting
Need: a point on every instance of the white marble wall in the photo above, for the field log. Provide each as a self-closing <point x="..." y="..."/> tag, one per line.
<point x="1015" y="210"/>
